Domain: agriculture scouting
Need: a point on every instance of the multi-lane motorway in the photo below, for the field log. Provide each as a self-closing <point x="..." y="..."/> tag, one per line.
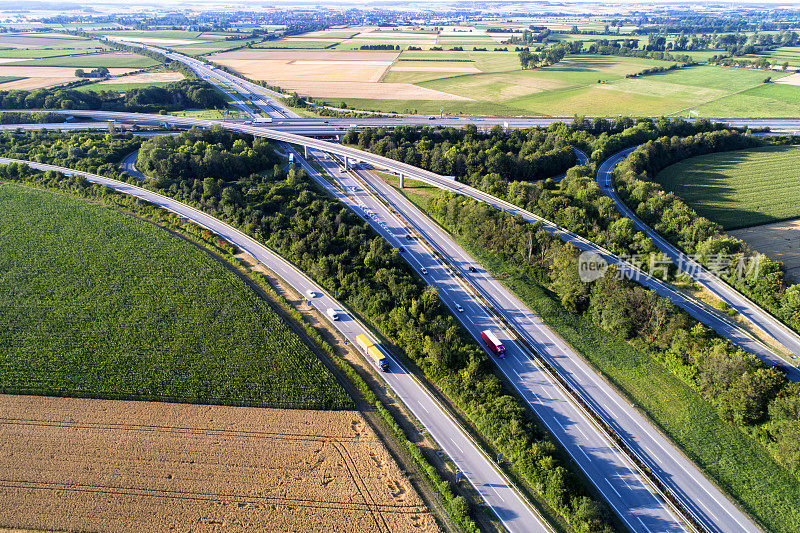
<point x="638" y="504"/>
<point x="497" y="491"/>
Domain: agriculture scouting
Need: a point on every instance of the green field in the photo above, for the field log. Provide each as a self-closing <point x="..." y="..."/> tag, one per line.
<point x="36" y="54"/>
<point x="91" y="61"/>
<point x="741" y="188"/>
<point x="571" y="88"/>
<point x="96" y="303"/>
<point x="4" y="79"/>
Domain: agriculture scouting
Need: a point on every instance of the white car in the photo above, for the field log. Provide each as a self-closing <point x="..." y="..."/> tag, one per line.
<point x="310" y="294"/>
<point x="424" y="270"/>
<point x="459" y="308"/>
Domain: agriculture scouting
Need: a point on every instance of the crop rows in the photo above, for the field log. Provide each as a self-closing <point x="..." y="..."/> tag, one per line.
<point x="95" y="303"/>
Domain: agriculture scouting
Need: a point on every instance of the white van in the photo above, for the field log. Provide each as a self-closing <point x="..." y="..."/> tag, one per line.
<point x="333" y="314"/>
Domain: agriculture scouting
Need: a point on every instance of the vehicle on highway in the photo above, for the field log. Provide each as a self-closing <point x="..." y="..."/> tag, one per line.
<point x="371" y="350"/>
<point x="291" y="159"/>
<point x="423" y="270"/>
<point x="408" y="236"/>
<point x="472" y="269"/>
<point x="459" y="308"/>
<point x="310" y="293"/>
<point x="401" y="249"/>
<point x="333" y="314"/>
<point x="493" y="343"/>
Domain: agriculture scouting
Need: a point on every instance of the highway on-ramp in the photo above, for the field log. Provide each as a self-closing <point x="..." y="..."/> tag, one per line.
<point x="743" y="305"/>
<point x="500" y="495"/>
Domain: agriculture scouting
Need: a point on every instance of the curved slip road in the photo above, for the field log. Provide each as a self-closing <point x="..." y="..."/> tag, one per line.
<point x="743" y="305"/>
<point x="500" y="495"/>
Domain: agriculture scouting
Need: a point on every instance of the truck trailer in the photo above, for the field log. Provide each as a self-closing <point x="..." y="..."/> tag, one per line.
<point x="373" y="352"/>
<point x="493" y="343"/>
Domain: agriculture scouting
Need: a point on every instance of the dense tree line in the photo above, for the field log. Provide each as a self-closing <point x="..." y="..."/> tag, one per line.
<point x="197" y="154"/>
<point x="31" y="118"/>
<point x="757" y="398"/>
<point x="90" y="152"/>
<point x="183" y="94"/>
<point x="681" y="225"/>
<point x="379" y="47"/>
<point x="471" y="155"/>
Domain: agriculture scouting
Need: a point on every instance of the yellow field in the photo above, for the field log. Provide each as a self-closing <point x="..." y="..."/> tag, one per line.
<point x="145" y="77"/>
<point x="106" y="465"/>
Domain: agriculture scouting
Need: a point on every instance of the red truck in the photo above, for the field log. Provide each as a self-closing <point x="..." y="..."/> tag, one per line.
<point x="493" y="343"/>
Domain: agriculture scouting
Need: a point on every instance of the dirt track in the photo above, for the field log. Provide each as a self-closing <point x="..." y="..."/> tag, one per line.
<point x="101" y="465"/>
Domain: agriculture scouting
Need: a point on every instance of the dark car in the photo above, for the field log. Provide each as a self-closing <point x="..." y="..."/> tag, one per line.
<point x="401" y="249"/>
<point x="408" y="236"/>
<point x="472" y="269"/>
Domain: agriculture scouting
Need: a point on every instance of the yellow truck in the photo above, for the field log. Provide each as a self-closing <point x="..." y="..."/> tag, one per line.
<point x="373" y="351"/>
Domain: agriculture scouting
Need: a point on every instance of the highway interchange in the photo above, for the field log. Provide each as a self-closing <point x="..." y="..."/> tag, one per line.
<point x="484" y="301"/>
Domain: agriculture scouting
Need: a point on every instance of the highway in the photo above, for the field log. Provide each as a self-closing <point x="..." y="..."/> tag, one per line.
<point x="707" y="505"/>
<point x="607" y="466"/>
<point x="743" y="305"/>
<point x="500" y="495"/>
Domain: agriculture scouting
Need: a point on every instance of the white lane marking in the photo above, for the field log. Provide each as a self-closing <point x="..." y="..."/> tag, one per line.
<point x="456" y="445"/>
<point x="613" y="488"/>
<point x="423" y="406"/>
<point x="498" y="494"/>
<point x="643" y="524"/>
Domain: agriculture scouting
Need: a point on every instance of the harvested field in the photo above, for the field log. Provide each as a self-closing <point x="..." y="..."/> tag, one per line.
<point x="154" y="40"/>
<point x="80" y="464"/>
<point x="52" y="72"/>
<point x="19" y="41"/>
<point x="40" y="77"/>
<point x="791" y="79"/>
<point x="779" y="241"/>
<point x="305" y="55"/>
<point x="333" y="70"/>
<point x="378" y="91"/>
<point x="28" y="84"/>
<point x="145" y="77"/>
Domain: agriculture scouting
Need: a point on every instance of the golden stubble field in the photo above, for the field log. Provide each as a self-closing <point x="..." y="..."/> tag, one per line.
<point x="104" y="465"/>
<point x="330" y="74"/>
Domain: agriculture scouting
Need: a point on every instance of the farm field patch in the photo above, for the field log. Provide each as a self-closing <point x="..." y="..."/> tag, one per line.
<point x="114" y="59"/>
<point x="765" y="100"/>
<point x="29" y="41"/>
<point x="36" y="53"/>
<point x="372" y="91"/>
<point x="79" y="464"/>
<point x="739" y="188"/>
<point x="40" y="77"/>
<point x="139" y="313"/>
<point x="779" y="241"/>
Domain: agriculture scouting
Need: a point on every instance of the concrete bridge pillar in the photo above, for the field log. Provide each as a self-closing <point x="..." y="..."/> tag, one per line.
<point x="305" y="152"/>
<point x="402" y="181"/>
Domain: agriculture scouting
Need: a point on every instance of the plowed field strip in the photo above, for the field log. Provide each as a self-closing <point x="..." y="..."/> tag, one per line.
<point x="187" y="430"/>
<point x="213" y="497"/>
<point x="361" y="487"/>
